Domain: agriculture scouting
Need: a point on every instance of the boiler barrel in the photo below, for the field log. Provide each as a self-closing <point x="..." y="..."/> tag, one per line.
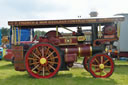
<point x="85" y="50"/>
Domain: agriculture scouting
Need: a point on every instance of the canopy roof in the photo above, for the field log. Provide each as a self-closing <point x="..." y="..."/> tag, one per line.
<point x="65" y="22"/>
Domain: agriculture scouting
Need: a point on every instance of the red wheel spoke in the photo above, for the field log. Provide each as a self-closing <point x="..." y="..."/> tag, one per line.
<point x="50" y="54"/>
<point x="107" y="66"/>
<point x="42" y="51"/>
<point x="97" y="70"/>
<point x="106" y="61"/>
<point x="34" y="63"/>
<point x="39" y="69"/>
<point x="35" y="55"/>
<point x="95" y="65"/>
<point x="51" y="67"/>
<point x="102" y="60"/>
<point x="38" y="51"/>
<point x="52" y="57"/>
<point x="48" y="69"/>
<point x="35" y="67"/>
<point x="43" y="70"/>
<point x="46" y="53"/>
<point x="52" y="62"/>
<point x="97" y="61"/>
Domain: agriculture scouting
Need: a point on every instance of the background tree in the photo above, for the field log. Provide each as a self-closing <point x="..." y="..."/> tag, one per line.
<point x="39" y="33"/>
<point x="5" y="31"/>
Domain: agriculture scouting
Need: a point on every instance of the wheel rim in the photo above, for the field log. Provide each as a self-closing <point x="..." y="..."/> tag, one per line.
<point x="42" y="61"/>
<point x="101" y="66"/>
<point x="85" y="62"/>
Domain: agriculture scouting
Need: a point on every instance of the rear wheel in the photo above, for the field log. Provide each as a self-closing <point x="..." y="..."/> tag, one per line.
<point x="43" y="60"/>
<point x="101" y="66"/>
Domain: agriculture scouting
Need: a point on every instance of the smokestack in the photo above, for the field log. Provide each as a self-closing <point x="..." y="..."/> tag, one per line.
<point x="93" y="14"/>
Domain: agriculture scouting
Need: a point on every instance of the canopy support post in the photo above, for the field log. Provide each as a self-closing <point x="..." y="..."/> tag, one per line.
<point x="56" y="31"/>
<point x="100" y="34"/>
<point x="18" y="35"/>
<point x="12" y="40"/>
<point x="15" y="36"/>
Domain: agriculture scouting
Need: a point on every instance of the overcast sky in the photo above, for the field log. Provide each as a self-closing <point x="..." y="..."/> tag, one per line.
<point x="57" y="9"/>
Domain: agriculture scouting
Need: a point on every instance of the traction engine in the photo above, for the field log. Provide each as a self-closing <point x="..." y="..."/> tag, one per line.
<point x="54" y="51"/>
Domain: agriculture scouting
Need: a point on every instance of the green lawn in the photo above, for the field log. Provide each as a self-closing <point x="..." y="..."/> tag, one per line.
<point x="76" y="76"/>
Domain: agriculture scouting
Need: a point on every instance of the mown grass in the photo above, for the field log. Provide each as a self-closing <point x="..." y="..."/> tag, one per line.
<point x="76" y="76"/>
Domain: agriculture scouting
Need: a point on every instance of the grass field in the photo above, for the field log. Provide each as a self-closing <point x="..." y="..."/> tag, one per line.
<point x="76" y="76"/>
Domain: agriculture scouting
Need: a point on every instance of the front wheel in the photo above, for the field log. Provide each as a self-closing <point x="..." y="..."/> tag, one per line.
<point x="101" y="66"/>
<point x="43" y="60"/>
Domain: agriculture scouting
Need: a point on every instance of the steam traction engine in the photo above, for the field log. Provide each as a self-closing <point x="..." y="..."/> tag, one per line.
<point x="54" y="51"/>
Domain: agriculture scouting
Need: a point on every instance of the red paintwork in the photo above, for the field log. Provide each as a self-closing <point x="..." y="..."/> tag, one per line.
<point x="26" y="42"/>
<point x="73" y="33"/>
<point x="102" y="41"/>
<point x="35" y="74"/>
<point x="115" y="54"/>
<point x="54" y="41"/>
<point x="123" y="54"/>
<point x="57" y="41"/>
<point x="42" y="39"/>
<point x="84" y="50"/>
<point x="70" y="57"/>
<point x="110" y="36"/>
<point x="94" y="72"/>
<point x="62" y="40"/>
<point x="68" y="41"/>
<point x="9" y="55"/>
<point x="52" y="34"/>
<point x="72" y="52"/>
<point x="18" y="58"/>
<point x="74" y="40"/>
<point x="109" y="30"/>
<point x="34" y="38"/>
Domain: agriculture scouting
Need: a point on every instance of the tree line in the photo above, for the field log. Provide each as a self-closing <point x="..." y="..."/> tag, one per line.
<point x="5" y="31"/>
